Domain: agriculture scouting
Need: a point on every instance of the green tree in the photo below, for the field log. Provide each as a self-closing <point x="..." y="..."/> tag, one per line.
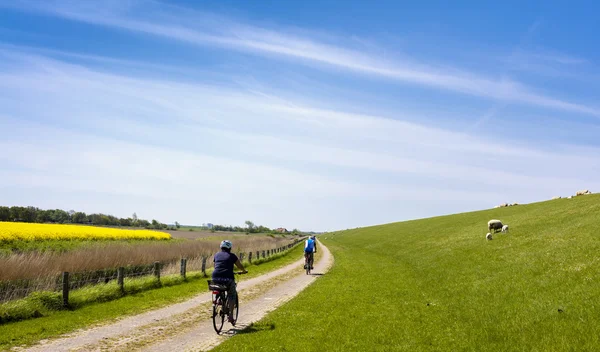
<point x="17" y="213"/>
<point x="79" y="218"/>
<point x="59" y="216"/>
<point x="4" y="213"/>
<point x="177" y="224"/>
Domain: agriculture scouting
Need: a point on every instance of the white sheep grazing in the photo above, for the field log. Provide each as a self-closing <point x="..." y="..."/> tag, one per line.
<point x="488" y="236"/>
<point x="505" y="229"/>
<point x="494" y="225"/>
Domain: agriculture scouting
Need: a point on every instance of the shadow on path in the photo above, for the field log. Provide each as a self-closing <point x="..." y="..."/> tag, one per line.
<point x="249" y="329"/>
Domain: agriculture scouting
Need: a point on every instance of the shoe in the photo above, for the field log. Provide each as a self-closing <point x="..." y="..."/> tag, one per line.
<point x="230" y="319"/>
<point x="304" y="266"/>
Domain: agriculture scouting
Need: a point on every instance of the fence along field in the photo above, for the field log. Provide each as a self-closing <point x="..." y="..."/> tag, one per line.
<point x="96" y="261"/>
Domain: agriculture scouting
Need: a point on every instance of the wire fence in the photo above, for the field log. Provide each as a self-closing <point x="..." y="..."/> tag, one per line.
<point x="68" y="281"/>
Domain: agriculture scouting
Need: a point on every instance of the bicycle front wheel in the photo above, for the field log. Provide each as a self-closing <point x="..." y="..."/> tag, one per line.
<point x="236" y="310"/>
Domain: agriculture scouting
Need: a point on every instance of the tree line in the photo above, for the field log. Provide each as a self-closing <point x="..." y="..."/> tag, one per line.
<point x="251" y="228"/>
<point x="59" y="216"/>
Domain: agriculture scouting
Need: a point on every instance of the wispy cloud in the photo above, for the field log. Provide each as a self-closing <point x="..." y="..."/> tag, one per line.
<point x="210" y="30"/>
<point x="259" y="128"/>
<point x="195" y="145"/>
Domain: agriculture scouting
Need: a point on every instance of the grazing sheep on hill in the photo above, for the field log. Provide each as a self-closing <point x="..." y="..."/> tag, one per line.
<point x="583" y="192"/>
<point x="495" y="225"/>
<point x="505" y="229"/>
<point x="557" y="197"/>
<point x="488" y="236"/>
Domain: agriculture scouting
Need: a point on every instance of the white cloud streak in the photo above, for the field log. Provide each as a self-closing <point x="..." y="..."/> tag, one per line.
<point x="196" y="152"/>
<point x="176" y="141"/>
<point x="209" y="30"/>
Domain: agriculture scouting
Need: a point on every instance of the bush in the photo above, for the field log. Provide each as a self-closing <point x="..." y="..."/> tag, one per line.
<point x="35" y="305"/>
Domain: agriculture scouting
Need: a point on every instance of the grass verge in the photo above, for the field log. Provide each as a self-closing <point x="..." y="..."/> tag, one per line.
<point x="93" y="308"/>
<point x="437" y="285"/>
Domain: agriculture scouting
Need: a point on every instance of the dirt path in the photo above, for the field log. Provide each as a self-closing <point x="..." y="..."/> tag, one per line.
<point x="187" y="325"/>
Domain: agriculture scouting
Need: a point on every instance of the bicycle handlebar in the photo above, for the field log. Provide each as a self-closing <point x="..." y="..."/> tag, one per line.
<point x="241" y="272"/>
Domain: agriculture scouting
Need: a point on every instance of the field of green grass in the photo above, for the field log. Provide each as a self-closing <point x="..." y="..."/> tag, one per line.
<point x="437" y="285"/>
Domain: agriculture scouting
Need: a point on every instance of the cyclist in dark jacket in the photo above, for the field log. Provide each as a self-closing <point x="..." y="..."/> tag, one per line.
<point x="223" y="272"/>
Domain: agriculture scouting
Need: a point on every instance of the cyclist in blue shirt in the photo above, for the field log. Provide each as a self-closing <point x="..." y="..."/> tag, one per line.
<point x="310" y="248"/>
<point x="223" y="272"/>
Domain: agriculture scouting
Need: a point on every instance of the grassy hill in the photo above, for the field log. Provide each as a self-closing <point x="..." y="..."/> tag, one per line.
<point x="437" y="285"/>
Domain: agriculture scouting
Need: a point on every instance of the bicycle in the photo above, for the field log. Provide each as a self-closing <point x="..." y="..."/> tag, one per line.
<point x="220" y="300"/>
<point x="308" y="262"/>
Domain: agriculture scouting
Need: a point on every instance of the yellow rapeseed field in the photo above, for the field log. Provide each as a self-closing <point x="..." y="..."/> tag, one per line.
<point x="11" y="231"/>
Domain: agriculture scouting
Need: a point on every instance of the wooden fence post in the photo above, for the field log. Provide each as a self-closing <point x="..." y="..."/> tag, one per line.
<point x="183" y="268"/>
<point x="250" y="257"/>
<point x="263" y="254"/>
<point x="120" y="276"/>
<point x="157" y="270"/>
<point x="65" y="284"/>
<point x="241" y="257"/>
<point x="257" y="255"/>
<point x="204" y="265"/>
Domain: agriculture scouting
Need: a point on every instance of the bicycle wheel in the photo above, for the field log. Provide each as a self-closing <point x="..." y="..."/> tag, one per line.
<point x="308" y="263"/>
<point x="236" y="311"/>
<point x="219" y="314"/>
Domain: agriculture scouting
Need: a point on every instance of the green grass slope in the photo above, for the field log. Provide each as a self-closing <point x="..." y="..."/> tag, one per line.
<point x="437" y="285"/>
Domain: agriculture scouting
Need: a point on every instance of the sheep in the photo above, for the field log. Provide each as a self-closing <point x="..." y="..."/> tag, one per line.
<point x="505" y="229"/>
<point x="488" y="236"/>
<point x="583" y="192"/>
<point x="495" y="225"/>
<point x="557" y="197"/>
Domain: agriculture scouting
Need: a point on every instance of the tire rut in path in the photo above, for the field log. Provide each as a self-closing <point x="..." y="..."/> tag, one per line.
<point x="203" y="337"/>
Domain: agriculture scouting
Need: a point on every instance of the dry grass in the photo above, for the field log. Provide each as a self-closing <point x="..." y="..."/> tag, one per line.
<point x="35" y="265"/>
<point x="26" y="272"/>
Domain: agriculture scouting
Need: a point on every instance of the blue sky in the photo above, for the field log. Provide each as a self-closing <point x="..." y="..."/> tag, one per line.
<point x="316" y="115"/>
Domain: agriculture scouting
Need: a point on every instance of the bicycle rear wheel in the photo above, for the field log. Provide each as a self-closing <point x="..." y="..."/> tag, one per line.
<point x="218" y="315"/>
